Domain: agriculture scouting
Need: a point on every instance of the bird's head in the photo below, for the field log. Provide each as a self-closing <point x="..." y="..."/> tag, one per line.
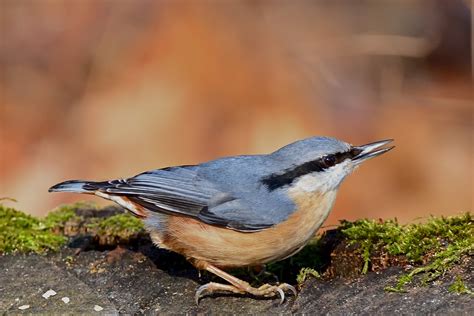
<point x="319" y="163"/>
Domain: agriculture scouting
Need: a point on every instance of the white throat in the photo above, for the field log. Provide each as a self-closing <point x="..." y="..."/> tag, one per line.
<point x="323" y="181"/>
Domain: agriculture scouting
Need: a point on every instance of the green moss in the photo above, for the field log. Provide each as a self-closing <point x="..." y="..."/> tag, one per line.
<point x="459" y="287"/>
<point x="305" y="273"/>
<point x="20" y="232"/>
<point x="121" y="226"/>
<point x="64" y="213"/>
<point x="442" y="261"/>
<point x="435" y="245"/>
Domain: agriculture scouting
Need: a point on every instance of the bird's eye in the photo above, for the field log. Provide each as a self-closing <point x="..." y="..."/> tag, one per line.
<point x="329" y="160"/>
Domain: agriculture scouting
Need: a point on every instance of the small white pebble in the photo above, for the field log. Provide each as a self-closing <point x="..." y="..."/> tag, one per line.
<point x="65" y="299"/>
<point x="23" y="307"/>
<point x="17" y="299"/>
<point x="98" y="308"/>
<point x="48" y="294"/>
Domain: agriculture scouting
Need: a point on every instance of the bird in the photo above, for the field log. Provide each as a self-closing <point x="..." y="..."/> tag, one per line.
<point x="238" y="211"/>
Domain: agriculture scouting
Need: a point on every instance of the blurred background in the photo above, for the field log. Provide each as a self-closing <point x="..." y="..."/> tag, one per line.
<point x="108" y="89"/>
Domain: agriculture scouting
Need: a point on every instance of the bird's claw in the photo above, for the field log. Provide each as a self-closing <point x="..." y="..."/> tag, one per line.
<point x="268" y="290"/>
<point x="282" y="295"/>
<point x="288" y="287"/>
<point x="199" y="291"/>
<point x="212" y="287"/>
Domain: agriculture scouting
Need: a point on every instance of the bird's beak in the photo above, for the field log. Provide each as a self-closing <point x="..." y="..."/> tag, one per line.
<point x="365" y="152"/>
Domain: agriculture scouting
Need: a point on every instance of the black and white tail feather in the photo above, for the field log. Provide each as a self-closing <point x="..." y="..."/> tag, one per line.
<point x="75" y="186"/>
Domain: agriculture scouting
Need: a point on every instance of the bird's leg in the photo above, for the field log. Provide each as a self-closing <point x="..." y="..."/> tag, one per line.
<point x="239" y="286"/>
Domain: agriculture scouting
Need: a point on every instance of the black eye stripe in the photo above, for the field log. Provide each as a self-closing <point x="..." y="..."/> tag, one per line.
<point x="275" y="181"/>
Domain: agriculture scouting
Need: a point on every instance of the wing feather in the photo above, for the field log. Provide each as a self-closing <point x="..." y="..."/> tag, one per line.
<point x="171" y="190"/>
<point x="184" y="191"/>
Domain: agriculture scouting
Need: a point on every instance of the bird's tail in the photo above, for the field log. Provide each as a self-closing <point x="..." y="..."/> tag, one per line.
<point x="90" y="187"/>
<point x="76" y="186"/>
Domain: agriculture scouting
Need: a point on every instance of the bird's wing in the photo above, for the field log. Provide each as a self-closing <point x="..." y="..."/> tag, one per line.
<point x="181" y="190"/>
<point x="168" y="190"/>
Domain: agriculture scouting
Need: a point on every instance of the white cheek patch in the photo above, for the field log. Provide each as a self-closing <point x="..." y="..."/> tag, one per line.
<point x="329" y="179"/>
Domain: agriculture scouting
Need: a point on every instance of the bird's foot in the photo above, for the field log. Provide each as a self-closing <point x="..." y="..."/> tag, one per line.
<point x="239" y="286"/>
<point x="266" y="290"/>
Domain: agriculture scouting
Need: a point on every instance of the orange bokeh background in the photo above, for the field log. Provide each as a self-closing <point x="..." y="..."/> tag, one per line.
<point x="105" y="89"/>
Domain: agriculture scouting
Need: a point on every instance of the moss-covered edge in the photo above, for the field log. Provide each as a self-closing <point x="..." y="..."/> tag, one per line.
<point x="432" y="247"/>
<point x="20" y="232"/>
<point x="23" y="233"/>
<point x="459" y="287"/>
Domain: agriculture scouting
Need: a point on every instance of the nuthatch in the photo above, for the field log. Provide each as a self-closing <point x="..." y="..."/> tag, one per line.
<point x="238" y="211"/>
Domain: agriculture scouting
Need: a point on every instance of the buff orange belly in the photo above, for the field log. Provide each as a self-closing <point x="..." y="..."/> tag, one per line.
<point x="228" y="248"/>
